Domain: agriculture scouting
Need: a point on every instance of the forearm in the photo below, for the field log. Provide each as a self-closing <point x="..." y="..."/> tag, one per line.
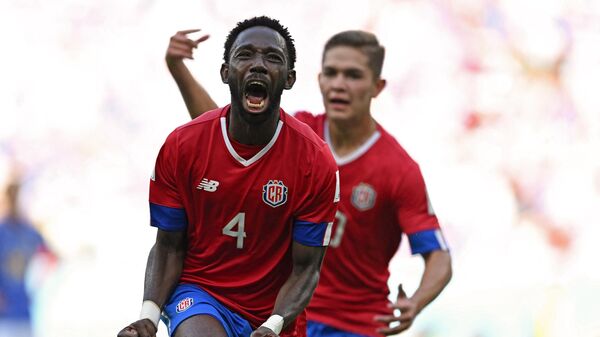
<point x="196" y="98"/>
<point x="295" y="295"/>
<point x="437" y="274"/>
<point x="162" y="273"/>
<point x="297" y="291"/>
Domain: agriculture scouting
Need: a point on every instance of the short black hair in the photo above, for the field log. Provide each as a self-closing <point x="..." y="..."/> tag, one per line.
<point x="263" y="21"/>
<point x="365" y="41"/>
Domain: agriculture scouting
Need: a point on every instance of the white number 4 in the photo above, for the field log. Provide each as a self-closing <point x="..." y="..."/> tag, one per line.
<point x="228" y="230"/>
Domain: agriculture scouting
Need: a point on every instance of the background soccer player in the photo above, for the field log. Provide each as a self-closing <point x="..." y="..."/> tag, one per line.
<point x="244" y="199"/>
<point x="383" y="194"/>
<point x="20" y="244"/>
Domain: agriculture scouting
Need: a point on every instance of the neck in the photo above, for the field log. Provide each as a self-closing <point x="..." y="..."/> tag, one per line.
<point x="347" y="136"/>
<point x="251" y="129"/>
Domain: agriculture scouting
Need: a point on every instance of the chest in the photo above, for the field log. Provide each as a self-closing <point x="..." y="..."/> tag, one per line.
<point x="269" y="186"/>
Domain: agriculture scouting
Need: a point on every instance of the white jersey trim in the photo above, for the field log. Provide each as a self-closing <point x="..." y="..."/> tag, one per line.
<point x="440" y="239"/>
<point x="260" y="153"/>
<point x="327" y="236"/>
<point x="354" y="155"/>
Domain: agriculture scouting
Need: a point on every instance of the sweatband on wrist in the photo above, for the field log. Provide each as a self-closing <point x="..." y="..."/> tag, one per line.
<point x="151" y="311"/>
<point x="275" y="323"/>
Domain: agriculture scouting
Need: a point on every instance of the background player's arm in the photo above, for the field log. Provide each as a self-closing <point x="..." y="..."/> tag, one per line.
<point x="165" y="263"/>
<point x="415" y="213"/>
<point x="297" y="291"/>
<point x="196" y="98"/>
<point x="437" y="274"/>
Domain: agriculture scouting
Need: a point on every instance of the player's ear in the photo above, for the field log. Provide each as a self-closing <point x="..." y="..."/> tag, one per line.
<point x="291" y="79"/>
<point x="224" y="72"/>
<point x="379" y="85"/>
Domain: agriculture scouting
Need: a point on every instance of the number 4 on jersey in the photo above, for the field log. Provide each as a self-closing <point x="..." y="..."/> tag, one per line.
<point x="229" y="230"/>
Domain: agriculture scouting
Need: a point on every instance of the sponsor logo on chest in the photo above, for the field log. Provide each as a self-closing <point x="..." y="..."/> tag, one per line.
<point x="184" y="304"/>
<point x="363" y="196"/>
<point x="274" y="193"/>
<point x="208" y="185"/>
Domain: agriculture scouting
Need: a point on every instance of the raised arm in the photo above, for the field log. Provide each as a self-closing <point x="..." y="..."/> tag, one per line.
<point x="297" y="291"/>
<point x="163" y="269"/>
<point x="196" y="98"/>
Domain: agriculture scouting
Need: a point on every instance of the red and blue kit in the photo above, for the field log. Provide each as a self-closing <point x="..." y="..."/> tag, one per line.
<point x="241" y="208"/>
<point x="383" y="195"/>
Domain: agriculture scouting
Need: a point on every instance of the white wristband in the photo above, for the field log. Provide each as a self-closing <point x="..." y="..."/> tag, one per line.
<point x="275" y="323"/>
<point x="151" y="311"/>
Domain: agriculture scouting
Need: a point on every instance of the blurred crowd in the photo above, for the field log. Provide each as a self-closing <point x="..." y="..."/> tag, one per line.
<point x="495" y="99"/>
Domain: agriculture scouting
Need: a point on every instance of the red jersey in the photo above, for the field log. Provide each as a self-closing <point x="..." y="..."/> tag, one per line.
<point x="240" y="214"/>
<point x="382" y="196"/>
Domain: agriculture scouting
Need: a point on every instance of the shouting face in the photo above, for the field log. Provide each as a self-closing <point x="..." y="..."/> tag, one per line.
<point x="257" y="72"/>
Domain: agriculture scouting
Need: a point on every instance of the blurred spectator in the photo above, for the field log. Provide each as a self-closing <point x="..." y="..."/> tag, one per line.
<point x="20" y="243"/>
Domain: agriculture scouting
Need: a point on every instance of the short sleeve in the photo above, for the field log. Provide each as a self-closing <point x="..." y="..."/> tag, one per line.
<point x="313" y="222"/>
<point x="415" y="214"/>
<point x="166" y="207"/>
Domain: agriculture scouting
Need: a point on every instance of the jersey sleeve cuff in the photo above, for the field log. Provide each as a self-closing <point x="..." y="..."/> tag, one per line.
<point x="427" y="241"/>
<point x="168" y="218"/>
<point x="312" y="234"/>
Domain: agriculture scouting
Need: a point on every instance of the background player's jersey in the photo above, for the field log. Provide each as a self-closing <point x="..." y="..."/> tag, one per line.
<point x="19" y="243"/>
<point x="242" y="214"/>
<point x="382" y="196"/>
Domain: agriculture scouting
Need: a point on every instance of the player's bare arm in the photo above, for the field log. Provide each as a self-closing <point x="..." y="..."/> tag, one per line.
<point x="181" y="47"/>
<point x="163" y="269"/>
<point x="297" y="291"/>
<point x="437" y="274"/>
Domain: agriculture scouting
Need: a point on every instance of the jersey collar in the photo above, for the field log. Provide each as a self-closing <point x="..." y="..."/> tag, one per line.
<point x="256" y="157"/>
<point x="356" y="153"/>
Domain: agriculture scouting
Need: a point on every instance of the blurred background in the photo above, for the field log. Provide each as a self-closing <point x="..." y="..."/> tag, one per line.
<point x="496" y="99"/>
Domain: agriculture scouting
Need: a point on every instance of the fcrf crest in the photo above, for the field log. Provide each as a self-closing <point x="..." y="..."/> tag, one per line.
<point x="274" y="193"/>
<point x="363" y="196"/>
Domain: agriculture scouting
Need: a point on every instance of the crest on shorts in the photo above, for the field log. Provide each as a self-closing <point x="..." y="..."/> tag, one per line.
<point x="363" y="196"/>
<point x="184" y="304"/>
<point x="274" y="193"/>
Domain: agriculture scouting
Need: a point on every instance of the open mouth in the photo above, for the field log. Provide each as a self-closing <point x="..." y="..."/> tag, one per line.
<point x="256" y="96"/>
<point x="338" y="103"/>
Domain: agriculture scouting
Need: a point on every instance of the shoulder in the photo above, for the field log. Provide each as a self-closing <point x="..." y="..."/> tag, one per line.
<point x="310" y="119"/>
<point x="402" y="172"/>
<point x="312" y="147"/>
<point x="407" y="187"/>
<point x="303" y="131"/>
<point x="202" y="120"/>
<point x="306" y="116"/>
<point x="196" y="127"/>
<point x="395" y="154"/>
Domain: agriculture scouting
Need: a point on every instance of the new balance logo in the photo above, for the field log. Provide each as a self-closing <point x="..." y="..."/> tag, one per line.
<point x="208" y="185"/>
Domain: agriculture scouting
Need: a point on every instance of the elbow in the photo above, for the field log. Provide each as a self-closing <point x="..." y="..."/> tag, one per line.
<point x="448" y="268"/>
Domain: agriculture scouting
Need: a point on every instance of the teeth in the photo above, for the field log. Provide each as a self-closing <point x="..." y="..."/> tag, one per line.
<point x="256" y="106"/>
<point x="257" y="83"/>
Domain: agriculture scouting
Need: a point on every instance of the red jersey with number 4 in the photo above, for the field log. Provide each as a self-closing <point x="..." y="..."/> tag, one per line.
<point x="241" y="214"/>
<point x="382" y="196"/>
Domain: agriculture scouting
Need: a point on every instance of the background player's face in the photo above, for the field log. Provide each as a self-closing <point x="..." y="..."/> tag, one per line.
<point x="257" y="71"/>
<point x="347" y="83"/>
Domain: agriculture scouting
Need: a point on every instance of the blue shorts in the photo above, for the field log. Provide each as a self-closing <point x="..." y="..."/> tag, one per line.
<point x="188" y="300"/>
<point x="317" y="329"/>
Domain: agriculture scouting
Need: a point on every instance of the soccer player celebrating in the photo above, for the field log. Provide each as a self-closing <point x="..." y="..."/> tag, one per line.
<point x="244" y="198"/>
<point x="382" y="194"/>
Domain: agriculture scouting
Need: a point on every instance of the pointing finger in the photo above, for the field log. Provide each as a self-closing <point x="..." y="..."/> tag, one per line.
<point x="188" y="31"/>
<point x="201" y="39"/>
